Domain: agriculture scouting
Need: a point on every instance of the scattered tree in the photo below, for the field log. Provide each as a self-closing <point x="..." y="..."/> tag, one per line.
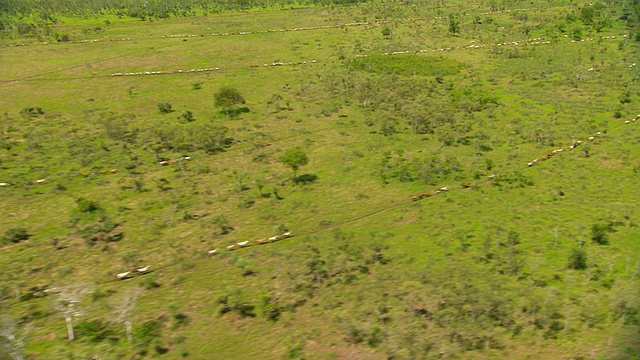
<point x="577" y="259"/>
<point x="165" y="107"/>
<point x="14" y="235"/>
<point x="599" y="233"/>
<point x="386" y="32"/>
<point x="229" y="99"/>
<point x="186" y="116"/>
<point x="294" y="158"/>
<point x="454" y="24"/>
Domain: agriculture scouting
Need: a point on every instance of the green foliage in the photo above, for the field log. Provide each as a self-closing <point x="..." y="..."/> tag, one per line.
<point x="186" y="116"/>
<point x="95" y="332"/>
<point x="454" y="24"/>
<point x="451" y="281"/>
<point x="228" y="98"/>
<point x="87" y="206"/>
<point x="577" y="259"/>
<point x="149" y="331"/>
<point x="294" y="158"/>
<point x="179" y="320"/>
<point x="386" y="32"/>
<point x="599" y="233"/>
<point x="165" y="107"/>
<point x="14" y="235"/>
<point x="407" y="65"/>
<point x="32" y="111"/>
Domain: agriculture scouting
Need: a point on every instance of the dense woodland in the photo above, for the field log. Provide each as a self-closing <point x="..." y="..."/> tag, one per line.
<point x="455" y="180"/>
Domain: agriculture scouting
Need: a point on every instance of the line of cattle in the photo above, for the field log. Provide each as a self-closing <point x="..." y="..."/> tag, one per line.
<point x="285" y="235"/>
<point x="338" y="26"/>
<point x="531" y="163"/>
<point x="169" y="162"/>
<point x="180" y="71"/>
<point x="535" y="41"/>
<point x="262" y="241"/>
<point x="575" y="144"/>
<point x="136" y="271"/>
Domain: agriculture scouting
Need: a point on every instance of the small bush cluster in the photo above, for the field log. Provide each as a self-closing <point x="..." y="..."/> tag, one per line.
<point x="14" y="235"/>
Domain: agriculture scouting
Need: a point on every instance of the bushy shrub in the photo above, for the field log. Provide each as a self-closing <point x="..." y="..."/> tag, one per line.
<point x="165" y="107"/>
<point x="577" y="259"/>
<point x="32" y="111"/>
<point x="599" y="233"/>
<point x="14" y="235"/>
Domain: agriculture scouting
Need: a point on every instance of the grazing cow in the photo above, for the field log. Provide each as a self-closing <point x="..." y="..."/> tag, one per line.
<point x="163" y="163"/>
<point x="40" y="181"/>
<point x="124" y="275"/>
<point x="262" y="241"/>
<point x="591" y="138"/>
<point x="4" y="184"/>
<point x="102" y="172"/>
<point x="212" y="252"/>
<point x="444" y="188"/>
<point x="113" y="171"/>
<point x="530" y="164"/>
<point x="575" y="145"/>
<point x="273" y="238"/>
<point x="231" y="247"/>
<point x="85" y="174"/>
<point x="243" y="243"/>
<point x="287" y="234"/>
<point x="416" y="198"/>
<point x="627" y="122"/>
<point x="426" y="195"/>
<point x="142" y="270"/>
<point x="494" y="175"/>
<point x="466" y="185"/>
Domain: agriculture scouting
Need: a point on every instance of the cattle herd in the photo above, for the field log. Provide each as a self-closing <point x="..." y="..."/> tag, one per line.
<point x="136" y="271"/>
<point x="576" y="144"/>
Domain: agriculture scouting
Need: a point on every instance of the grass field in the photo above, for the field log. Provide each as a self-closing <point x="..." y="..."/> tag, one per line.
<point x="523" y="262"/>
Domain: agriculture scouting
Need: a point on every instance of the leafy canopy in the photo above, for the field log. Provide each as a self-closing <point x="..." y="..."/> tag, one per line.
<point x="228" y="98"/>
<point x="294" y="158"/>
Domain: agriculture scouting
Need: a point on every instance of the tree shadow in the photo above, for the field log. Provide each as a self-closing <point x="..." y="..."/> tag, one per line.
<point x="305" y="179"/>
<point x="234" y="113"/>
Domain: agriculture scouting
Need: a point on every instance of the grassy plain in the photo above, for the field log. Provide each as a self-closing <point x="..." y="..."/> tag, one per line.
<point x="473" y="273"/>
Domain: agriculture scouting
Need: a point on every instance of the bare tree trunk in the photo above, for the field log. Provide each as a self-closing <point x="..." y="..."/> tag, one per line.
<point x="69" y="322"/>
<point x="127" y="325"/>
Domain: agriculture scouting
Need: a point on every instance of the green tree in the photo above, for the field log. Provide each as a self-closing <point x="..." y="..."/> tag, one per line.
<point x="577" y="259"/>
<point x="454" y="24"/>
<point x="294" y="158"/>
<point x="165" y="107"/>
<point x="14" y="235"/>
<point x="599" y="233"/>
<point x="229" y="99"/>
<point x="386" y="32"/>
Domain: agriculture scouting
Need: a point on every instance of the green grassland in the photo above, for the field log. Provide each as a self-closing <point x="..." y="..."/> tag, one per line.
<point x="539" y="262"/>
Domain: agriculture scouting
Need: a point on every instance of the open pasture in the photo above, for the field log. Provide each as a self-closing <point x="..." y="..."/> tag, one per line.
<point x="114" y="156"/>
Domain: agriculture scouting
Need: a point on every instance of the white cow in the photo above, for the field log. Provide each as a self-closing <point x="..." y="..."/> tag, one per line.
<point x="142" y="270"/>
<point x="124" y="275"/>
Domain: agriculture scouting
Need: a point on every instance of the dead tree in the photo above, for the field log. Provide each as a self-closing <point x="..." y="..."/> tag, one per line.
<point x="9" y="337"/>
<point x="124" y="310"/>
<point x="67" y="302"/>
